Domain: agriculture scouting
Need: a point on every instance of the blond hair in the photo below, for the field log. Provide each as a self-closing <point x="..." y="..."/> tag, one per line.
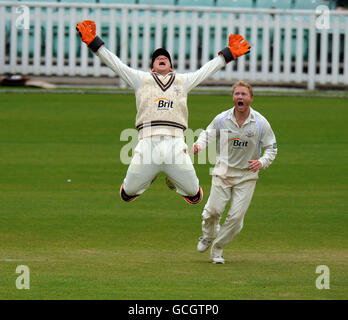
<point x="243" y="84"/>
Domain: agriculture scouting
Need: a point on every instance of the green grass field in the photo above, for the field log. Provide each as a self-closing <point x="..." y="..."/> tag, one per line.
<point x="80" y="241"/>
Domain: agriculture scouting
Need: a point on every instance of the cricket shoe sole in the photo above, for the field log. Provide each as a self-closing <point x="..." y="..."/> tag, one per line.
<point x="195" y="199"/>
<point x="126" y="197"/>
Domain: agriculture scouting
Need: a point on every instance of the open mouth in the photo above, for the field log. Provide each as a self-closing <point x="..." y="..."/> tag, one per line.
<point x="162" y="64"/>
<point x="240" y="103"/>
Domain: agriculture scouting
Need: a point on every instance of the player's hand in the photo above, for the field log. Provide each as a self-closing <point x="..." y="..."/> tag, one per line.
<point x="255" y="165"/>
<point x="87" y="31"/>
<point x="196" y="148"/>
<point x="238" y="46"/>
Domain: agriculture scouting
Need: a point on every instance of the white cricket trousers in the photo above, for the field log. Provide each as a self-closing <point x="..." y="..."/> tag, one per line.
<point x="238" y="189"/>
<point x="156" y="154"/>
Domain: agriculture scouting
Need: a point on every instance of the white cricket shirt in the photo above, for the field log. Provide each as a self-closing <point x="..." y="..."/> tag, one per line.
<point x="161" y="101"/>
<point x="236" y="145"/>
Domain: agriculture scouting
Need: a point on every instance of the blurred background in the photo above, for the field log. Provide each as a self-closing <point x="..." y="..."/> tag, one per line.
<point x="295" y="44"/>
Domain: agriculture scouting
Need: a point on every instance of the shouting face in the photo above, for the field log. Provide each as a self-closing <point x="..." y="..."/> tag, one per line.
<point x="242" y="99"/>
<point x="161" y="65"/>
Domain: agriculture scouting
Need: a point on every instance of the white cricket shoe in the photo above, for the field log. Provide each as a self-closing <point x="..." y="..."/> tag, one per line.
<point x="219" y="260"/>
<point x="203" y="244"/>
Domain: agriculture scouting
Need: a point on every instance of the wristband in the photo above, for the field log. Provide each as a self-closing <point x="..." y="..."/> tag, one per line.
<point x="96" y="44"/>
<point x="227" y="54"/>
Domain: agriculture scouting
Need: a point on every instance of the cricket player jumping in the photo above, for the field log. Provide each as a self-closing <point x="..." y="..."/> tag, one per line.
<point x="162" y="114"/>
<point x="242" y="132"/>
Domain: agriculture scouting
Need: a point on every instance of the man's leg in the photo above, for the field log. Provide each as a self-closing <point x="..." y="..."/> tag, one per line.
<point x="179" y="169"/>
<point x="141" y="171"/>
<point x="185" y="182"/>
<point x="219" y="196"/>
<point x="137" y="181"/>
<point x="241" y="196"/>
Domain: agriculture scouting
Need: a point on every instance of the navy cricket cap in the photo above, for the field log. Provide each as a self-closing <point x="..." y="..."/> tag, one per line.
<point x="160" y="52"/>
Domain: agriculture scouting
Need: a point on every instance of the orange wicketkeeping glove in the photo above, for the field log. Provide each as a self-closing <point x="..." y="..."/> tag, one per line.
<point x="237" y="47"/>
<point x="87" y="31"/>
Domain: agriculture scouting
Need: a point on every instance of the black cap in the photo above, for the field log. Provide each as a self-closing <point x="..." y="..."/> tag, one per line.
<point x="160" y="52"/>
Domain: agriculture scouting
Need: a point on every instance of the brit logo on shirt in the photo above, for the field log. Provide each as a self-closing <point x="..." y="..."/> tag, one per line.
<point x="238" y="143"/>
<point x="164" y="104"/>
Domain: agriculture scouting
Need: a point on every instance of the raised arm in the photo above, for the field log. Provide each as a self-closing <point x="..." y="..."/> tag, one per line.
<point x="237" y="47"/>
<point x="87" y="31"/>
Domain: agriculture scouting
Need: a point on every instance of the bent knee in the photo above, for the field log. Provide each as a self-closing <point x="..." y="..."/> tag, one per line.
<point x="127" y="197"/>
<point x="192" y="190"/>
<point x="211" y="212"/>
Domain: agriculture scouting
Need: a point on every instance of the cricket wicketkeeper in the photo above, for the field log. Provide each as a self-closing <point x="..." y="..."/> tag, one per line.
<point x="162" y="114"/>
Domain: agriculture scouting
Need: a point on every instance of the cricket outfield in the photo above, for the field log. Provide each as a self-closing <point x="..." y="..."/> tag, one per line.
<point x="62" y="217"/>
